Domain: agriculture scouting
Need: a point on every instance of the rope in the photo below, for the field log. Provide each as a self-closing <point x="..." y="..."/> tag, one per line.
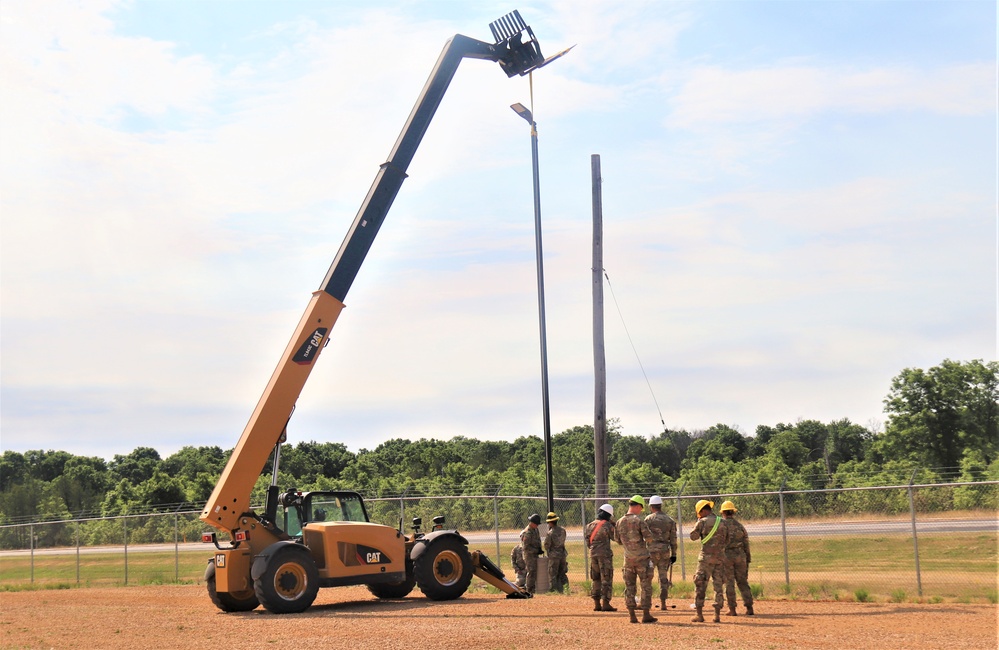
<point x="621" y="315"/>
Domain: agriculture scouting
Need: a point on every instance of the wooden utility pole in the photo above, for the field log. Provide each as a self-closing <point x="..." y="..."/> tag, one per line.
<point x="599" y="361"/>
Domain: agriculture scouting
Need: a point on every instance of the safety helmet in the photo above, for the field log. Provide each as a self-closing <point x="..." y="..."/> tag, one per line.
<point x="535" y="518"/>
<point x="639" y="500"/>
<point x="703" y="503"/>
<point x="655" y="500"/>
<point x="728" y="505"/>
<point x="552" y="517"/>
<point x="608" y="508"/>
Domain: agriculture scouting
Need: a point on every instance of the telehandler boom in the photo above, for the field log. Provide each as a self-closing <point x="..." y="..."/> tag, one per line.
<point x="321" y="539"/>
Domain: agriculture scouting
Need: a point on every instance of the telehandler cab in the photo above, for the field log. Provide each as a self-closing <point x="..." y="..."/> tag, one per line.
<point x="280" y="558"/>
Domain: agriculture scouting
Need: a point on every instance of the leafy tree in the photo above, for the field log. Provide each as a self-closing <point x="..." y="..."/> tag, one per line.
<point x="189" y="462"/>
<point x="136" y="467"/>
<point x="935" y="415"/>
<point x="13" y="469"/>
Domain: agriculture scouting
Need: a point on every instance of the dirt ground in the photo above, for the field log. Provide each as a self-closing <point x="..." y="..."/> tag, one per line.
<point x="349" y="617"/>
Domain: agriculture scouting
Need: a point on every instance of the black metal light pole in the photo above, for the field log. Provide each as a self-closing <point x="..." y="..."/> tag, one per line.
<point x="522" y="111"/>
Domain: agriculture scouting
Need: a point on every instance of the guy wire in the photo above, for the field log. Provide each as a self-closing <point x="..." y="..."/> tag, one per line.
<point x="647" y="382"/>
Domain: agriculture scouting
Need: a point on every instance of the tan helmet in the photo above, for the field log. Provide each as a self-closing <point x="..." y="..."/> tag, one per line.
<point x="728" y="505"/>
<point x="702" y="504"/>
<point x="552" y="517"/>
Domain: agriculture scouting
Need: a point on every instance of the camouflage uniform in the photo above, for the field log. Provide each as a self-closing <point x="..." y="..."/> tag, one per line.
<point x="599" y="534"/>
<point x="519" y="565"/>
<point x="530" y="540"/>
<point x="633" y="533"/>
<point x="558" y="566"/>
<point x="710" y="561"/>
<point x="737" y="559"/>
<point x="662" y="548"/>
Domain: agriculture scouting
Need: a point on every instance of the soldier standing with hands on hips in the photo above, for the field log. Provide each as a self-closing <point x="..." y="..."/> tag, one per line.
<point x="598" y="534"/>
<point x="662" y="548"/>
<point x="711" y="560"/>
<point x="530" y="540"/>
<point x="634" y="535"/>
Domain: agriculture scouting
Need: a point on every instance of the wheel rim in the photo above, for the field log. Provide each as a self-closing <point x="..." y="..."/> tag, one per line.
<point x="447" y="567"/>
<point x="290" y="581"/>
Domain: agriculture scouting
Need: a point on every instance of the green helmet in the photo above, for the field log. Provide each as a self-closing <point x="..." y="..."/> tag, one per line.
<point x="639" y="500"/>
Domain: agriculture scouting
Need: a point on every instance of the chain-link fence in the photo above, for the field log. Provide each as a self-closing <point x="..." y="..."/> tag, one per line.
<point x="932" y="541"/>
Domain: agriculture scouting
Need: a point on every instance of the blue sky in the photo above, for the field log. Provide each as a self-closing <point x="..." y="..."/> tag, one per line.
<point x="799" y="202"/>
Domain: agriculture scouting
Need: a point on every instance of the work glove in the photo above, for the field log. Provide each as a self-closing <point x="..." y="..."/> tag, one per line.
<point x="672" y="560"/>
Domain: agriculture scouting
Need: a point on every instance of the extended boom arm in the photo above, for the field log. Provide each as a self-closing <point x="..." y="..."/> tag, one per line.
<point x="229" y="503"/>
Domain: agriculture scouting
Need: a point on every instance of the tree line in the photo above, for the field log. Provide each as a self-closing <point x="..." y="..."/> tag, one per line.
<point x="942" y="422"/>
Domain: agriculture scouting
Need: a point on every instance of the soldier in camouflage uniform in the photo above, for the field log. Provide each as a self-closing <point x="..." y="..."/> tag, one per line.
<point x="598" y="535"/>
<point x="737" y="559"/>
<point x="662" y="548"/>
<point x="711" y="560"/>
<point x="519" y="565"/>
<point x="633" y="533"/>
<point x="558" y="566"/>
<point x="530" y="540"/>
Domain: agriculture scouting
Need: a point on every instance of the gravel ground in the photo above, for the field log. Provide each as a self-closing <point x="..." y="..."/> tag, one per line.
<point x="349" y="617"/>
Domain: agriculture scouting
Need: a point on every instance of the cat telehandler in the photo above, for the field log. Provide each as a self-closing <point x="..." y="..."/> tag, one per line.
<point x="307" y="540"/>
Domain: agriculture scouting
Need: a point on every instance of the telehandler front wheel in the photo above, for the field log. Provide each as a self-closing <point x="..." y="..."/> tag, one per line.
<point x="444" y="569"/>
<point x="289" y="582"/>
<point x="241" y="601"/>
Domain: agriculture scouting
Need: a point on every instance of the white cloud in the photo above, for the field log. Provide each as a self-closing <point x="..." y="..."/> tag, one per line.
<point x="712" y="95"/>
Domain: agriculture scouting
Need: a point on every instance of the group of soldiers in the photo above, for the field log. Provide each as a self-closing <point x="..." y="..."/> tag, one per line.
<point x="525" y="555"/>
<point x="650" y="546"/>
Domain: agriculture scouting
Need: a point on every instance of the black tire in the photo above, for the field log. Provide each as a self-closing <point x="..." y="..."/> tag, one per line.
<point x="290" y="582"/>
<point x="444" y="570"/>
<point x="399" y="589"/>
<point x="243" y="601"/>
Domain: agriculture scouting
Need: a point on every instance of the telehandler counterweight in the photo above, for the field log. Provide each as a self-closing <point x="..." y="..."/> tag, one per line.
<point x="307" y="540"/>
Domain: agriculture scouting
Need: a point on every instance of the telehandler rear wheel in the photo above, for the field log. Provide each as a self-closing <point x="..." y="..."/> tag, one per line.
<point x="396" y="589"/>
<point x="243" y="601"/>
<point x="444" y="569"/>
<point x="290" y="582"/>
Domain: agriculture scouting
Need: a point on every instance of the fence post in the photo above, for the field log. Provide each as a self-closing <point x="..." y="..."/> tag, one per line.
<point x="31" y="545"/>
<point x="679" y="531"/>
<point x="402" y="508"/>
<point x="78" y="552"/>
<point x="582" y="524"/>
<point x="499" y="558"/>
<point x="176" y="547"/>
<point x="783" y="532"/>
<point x="915" y="539"/>
<point x="124" y="528"/>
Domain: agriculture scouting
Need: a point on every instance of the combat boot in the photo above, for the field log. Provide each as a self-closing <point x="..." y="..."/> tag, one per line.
<point x="717" y="618"/>
<point x="662" y="603"/>
<point x="731" y="611"/>
<point x="647" y="617"/>
<point x="631" y="613"/>
<point x="606" y="606"/>
<point x="699" y="618"/>
<point x="749" y="609"/>
<point x="596" y="604"/>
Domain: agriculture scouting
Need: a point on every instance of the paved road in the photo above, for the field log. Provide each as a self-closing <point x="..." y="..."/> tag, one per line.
<point x="484" y="539"/>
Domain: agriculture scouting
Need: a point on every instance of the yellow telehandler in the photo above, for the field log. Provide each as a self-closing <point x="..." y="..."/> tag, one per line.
<point x="307" y="540"/>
